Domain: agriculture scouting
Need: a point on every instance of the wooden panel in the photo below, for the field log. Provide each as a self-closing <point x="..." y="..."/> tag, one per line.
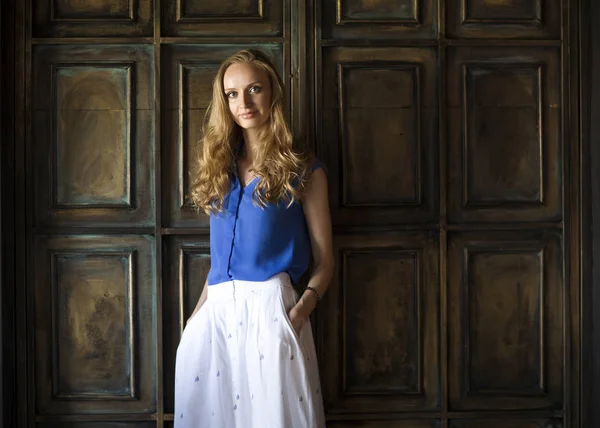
<point x="378" y="19"/>
<point x="84" y="289"/>
<point x="187" y="82"/>
<point x="236" y="9"/>
<point x="97" y="98"/>
<point x="93" y="135"/>
<point x="95" y="18"/>
<point x="94" y="325"/>
<point x="99" y="9"/>
<point x="506" y="423"/>
<point x="96" y="425"/>
<point x="380" y="332"/>
<point x="408" y="423"/>
<point x="505" y="157"/>
<point x="222" y="17"/>
<point x="379" y="134"/>
<point x="506" y="324"/>
<point x="188" y="266"/>
<point x="494" y="19"/>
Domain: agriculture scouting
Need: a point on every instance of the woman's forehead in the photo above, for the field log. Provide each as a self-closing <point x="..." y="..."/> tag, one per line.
<point x="238" y="75"/>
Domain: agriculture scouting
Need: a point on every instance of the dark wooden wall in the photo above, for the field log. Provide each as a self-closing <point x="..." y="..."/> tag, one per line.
<point x="428" y="383"/>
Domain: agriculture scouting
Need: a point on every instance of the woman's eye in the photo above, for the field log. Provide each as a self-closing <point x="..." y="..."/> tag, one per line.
<point x="255" y="89"/>
<point x="231" y="94"/>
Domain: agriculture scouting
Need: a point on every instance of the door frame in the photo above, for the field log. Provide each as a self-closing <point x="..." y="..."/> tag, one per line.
<point x="7" y="211"/>
<point x="589" y="41"/>
<point x="12" y="178"/>
<point x="2" y="63"/>
<point x="8" y="92"/>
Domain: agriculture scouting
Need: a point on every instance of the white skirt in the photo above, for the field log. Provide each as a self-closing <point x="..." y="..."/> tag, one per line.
<point x="240" y="363"/>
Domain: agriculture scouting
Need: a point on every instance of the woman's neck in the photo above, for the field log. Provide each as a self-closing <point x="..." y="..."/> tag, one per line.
<point x="250" y="145"/>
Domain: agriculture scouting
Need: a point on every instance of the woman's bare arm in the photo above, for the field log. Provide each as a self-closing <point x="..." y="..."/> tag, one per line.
<point x="318" y="221"/>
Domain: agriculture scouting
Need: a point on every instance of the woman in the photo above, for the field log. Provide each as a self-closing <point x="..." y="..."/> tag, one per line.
<point x="247" y="356"/>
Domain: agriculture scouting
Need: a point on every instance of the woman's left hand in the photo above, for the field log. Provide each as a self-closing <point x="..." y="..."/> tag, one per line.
<point x="297" y="318"/>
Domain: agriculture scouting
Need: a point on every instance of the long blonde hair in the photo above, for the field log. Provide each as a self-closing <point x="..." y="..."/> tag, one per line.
<point x="282" y="172"/>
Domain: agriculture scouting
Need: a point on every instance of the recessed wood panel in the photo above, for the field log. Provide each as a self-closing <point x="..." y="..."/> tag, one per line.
<point x="99" y="9"/>
<point x="93" y="336"/>
<point x="526" y="11"/>
<point x="189" y="264"/>
<point x="94" y="325"/>
<point x="97" y="18"/>
<point x="222" y="17"/>
<point x="92" y="119"/>
<point x="93" y="135"/>
<point x="378" y="19"/>
<point x="504" y="121"/>
<point x="380" y="318"/>
<point x="232" y="9"/>
<point x="378" y="11"/>
<point x="505" y="287"/>
<point x="506" y="423"/>
<point x="188" y="77"/>
<point x="383" y="337"/>
<point x="380" y="110"/>
<point x="518" y="179"/>
<point x="378" y="134"/>
<point x="533" y="19"/>
<point x="96" y="425"/>
<point x="506" y="329"/>
<point x="408" y="423"/>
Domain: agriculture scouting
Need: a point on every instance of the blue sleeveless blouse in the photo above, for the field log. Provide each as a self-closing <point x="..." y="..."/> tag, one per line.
<point x="251" y="243"/>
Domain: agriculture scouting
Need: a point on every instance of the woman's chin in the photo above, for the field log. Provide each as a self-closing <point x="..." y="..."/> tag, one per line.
<point x="254" y="123"/>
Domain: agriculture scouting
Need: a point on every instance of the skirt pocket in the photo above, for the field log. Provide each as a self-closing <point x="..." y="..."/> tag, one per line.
<point x="287" y="300"/>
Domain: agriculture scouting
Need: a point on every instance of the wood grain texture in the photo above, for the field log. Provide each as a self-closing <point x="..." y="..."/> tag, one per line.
<point x="379" y="19"/>
<point x="94" y="325"/>
<point x="506" y="153"/>
<point x="380" y="331"/>
<point x="504" y="19"/>
<point x="93" y="135"/>
<point x="506" y="322"/>
<point x="450" y="135"/>
<point x="222" y="18"/>
<point x="93" y="18"/>
<point x="379" y="133"/>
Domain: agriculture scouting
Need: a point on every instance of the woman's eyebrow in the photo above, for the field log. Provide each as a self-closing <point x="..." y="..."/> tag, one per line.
<point x="250" y="84"/>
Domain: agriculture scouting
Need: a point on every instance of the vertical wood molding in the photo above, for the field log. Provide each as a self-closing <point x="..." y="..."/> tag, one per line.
<point x="590" y="102"/>
<point x="2" y="38"/>
<point x="7" y="327"/>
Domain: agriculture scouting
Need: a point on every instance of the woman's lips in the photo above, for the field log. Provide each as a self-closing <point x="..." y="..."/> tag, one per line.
<point x="249" y="115"/>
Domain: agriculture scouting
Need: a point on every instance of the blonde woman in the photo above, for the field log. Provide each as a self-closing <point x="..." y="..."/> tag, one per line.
<point x="247" y="357"/>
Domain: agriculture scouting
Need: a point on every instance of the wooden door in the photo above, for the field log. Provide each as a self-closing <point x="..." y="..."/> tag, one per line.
<point x="444" y="127"/>
<point x="447" y="128"/>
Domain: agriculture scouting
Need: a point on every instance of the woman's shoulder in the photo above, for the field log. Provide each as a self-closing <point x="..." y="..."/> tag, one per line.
<point x="317" y="164"/>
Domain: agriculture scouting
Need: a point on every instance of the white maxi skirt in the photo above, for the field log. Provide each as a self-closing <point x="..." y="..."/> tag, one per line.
<point x="240" y="363"/>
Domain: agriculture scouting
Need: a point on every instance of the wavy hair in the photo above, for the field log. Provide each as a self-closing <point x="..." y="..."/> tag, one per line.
<point x="282" y="172"/>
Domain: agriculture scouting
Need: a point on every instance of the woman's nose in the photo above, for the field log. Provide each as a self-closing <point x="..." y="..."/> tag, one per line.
<point x="246" y="99"/>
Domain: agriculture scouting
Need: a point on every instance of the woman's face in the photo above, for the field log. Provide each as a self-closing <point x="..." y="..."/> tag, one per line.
<point x="248" y="92"/>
